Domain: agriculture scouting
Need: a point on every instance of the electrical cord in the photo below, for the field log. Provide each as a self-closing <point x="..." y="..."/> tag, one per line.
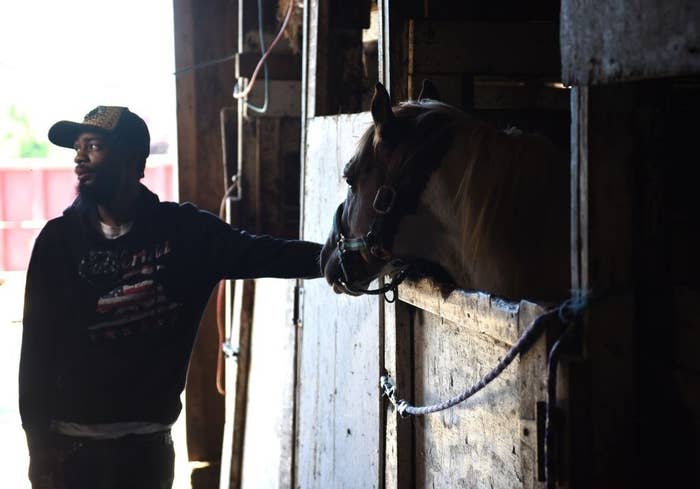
<point x="255" y="108"/>
<point x="241" y="95"/>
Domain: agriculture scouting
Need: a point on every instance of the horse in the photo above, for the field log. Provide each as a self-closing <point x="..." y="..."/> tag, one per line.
<point x="430" y="184"/>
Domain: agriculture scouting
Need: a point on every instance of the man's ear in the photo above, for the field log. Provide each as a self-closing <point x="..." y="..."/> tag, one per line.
<point x="428" y="91"/>
<point x="381" y="106"/>
<point x="136" y="161"/>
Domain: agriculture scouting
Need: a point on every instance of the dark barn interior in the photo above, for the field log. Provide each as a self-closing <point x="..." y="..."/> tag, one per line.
<point x="614" y="85"/>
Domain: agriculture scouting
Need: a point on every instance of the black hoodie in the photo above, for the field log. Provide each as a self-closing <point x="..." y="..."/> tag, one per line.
<point x="109" y="325"/>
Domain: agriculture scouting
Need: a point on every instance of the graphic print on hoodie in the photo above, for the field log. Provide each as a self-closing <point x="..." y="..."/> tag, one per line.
<point x="135" y="301"/>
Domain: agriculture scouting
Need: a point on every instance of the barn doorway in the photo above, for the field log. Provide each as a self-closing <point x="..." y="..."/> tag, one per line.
<point x="51" y="73"/>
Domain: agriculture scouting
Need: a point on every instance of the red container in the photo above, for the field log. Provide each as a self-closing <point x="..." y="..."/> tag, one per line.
<point x="32" y="191"/>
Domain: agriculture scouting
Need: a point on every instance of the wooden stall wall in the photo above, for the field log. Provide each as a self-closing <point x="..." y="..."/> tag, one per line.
<point x="447" y="344"/>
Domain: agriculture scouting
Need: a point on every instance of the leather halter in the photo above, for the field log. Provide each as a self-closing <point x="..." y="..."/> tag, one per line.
<point x="371" y="242"/>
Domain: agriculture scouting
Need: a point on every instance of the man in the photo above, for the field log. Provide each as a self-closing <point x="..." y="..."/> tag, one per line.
<point x="115" y="290"/>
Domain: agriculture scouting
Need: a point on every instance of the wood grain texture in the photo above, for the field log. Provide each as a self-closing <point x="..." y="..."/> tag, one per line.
<point x="203" y="31"/>
<point x="489" y="440"/>
<point x="267" y="449"/>
<point x="338" y="425"/>
<point x="618" y="40"/>
<point x="506" y="48"/>
<point x="399" y="447"/>
<point x="477" y="443"/>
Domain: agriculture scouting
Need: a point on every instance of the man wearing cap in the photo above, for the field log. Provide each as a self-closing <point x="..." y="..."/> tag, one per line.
<point x="115" y="290"/>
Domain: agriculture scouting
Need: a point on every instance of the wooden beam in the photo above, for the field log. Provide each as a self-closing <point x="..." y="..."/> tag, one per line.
<point x="279" y="66"/>
<point x="495" y="48"/>
<point x="481" y="312"/>
<point x="399" y="440"/>
<point x="395" y="44"/>
<point x="607" y="41"/>
<point x="203" y="31"/>
<point x="541" y="10"/>
<point x="600" y="390"/>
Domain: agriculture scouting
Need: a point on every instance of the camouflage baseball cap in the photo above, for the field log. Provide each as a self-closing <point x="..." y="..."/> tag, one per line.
<point x="118" y="122"/>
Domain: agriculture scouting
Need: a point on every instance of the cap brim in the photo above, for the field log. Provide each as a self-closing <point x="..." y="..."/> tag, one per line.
<point x="64" y="133"/>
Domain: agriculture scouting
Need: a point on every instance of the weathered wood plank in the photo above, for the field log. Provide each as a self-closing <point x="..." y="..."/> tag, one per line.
<point x="203" y="32"/>
<point x="315" y="52"/>
<point x="496" y="48"/>
<point x="398" y="357"/>
<point x="267" y="449"/>
<point x="519" y="95"/>
<point x="284" y="99"/>
<point x="395" y="46"/>
<point x="241" y="338"/>
<point x="500" y="10"/>
<point x="477" y="443"/>
<point x="600" y="392"/>
<point x="616" y="40"/>
<point x="279" y="66"/>
<point x="461" y="337"/>
<point x="478" y="312"/>
<point x="532" y="388"/>
<point x="338" y="425"/>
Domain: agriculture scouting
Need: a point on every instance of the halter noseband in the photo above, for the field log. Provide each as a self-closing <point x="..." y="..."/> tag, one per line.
<point x="371" y="242"/>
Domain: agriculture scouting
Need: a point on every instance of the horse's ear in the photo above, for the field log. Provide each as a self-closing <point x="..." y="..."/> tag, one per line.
<point x="381" y="105"/>
<point x="428" y="91"/>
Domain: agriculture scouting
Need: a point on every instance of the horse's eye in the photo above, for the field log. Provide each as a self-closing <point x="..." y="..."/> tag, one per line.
<point x="351" y="183"/>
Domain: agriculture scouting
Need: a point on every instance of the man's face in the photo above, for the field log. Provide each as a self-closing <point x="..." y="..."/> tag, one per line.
<point x="101" y="171"/>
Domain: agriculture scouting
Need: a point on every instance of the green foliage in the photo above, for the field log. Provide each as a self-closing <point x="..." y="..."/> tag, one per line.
<point x="31" y="148"/>
<point x="18" y="137"/>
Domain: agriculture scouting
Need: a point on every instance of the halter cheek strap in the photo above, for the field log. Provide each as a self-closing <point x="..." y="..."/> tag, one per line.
<point x="383" y="203"/>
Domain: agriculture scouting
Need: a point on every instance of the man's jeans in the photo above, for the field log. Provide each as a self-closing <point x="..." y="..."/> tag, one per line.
<point x="130" y="462"/>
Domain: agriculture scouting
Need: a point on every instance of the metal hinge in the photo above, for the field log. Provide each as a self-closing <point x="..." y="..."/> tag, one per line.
<point x="298" y="293"/>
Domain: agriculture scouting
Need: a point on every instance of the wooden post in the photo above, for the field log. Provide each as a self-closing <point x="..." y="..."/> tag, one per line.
<point x="602" y="387"/>
<point x="203" y="31"/>
<point x="399" y="449"/>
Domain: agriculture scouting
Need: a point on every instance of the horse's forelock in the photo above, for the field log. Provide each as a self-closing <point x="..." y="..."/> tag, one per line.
<point x="360" y="160"/>
<point x="414" y="120"/>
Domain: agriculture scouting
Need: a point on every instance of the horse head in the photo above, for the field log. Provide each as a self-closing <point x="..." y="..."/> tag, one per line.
<point x="385" y="178"/>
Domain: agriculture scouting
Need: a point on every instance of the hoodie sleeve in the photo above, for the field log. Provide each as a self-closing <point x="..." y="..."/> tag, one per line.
<point x="237" y="254"/>
<point x="36" y="372"/>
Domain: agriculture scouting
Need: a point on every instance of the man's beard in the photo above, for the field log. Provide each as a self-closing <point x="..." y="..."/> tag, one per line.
<point x="101" y="190"/>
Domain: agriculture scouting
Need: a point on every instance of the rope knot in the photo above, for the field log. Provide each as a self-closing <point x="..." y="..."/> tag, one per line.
<point x="571" y="309"/>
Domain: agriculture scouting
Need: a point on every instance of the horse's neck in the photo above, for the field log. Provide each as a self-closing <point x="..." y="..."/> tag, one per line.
<point x="434" y="232"/>
<point x="494" y="215"/>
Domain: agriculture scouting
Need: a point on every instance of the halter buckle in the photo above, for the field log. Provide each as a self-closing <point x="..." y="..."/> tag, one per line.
<point x="384" y="199"/>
